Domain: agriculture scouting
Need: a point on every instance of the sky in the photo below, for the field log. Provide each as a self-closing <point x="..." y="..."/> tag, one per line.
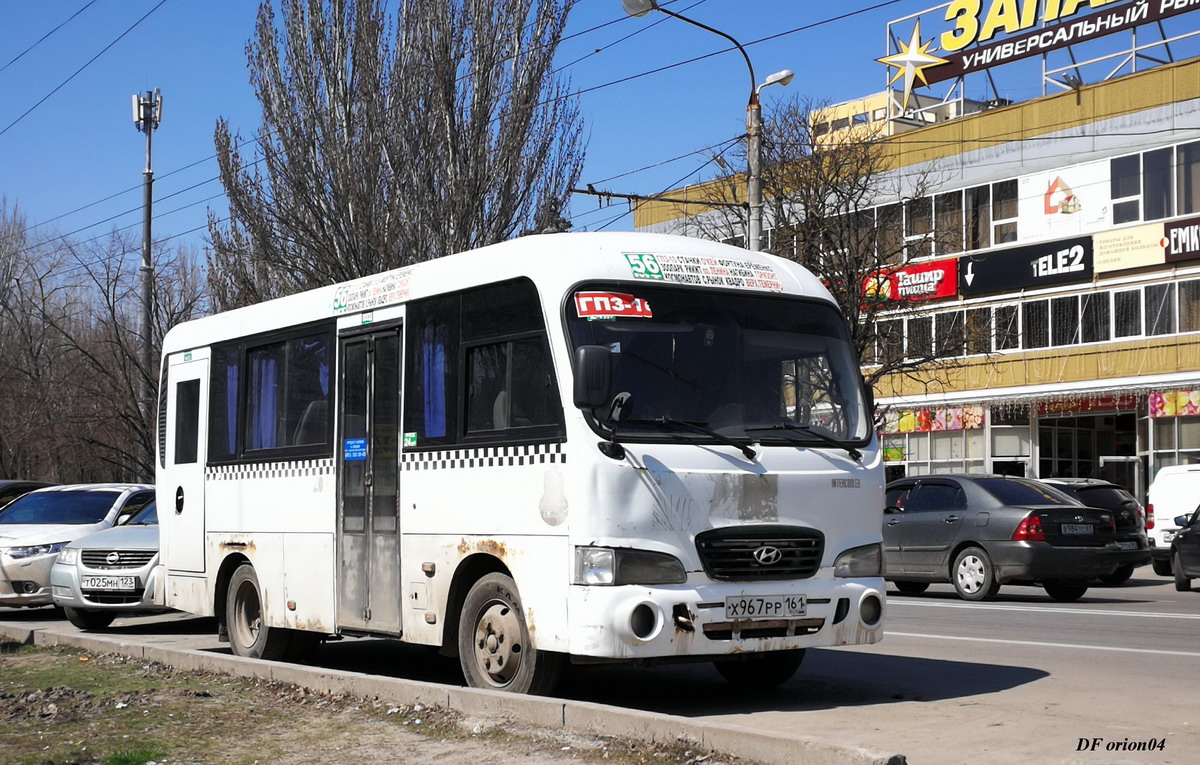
<point x="71" y="158"/>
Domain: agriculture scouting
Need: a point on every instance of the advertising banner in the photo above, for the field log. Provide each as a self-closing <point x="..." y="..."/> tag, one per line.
<point x="1129" y="248"/>
<point x="922" y="281"/>
<point x="1031" y="266"/>
<point x="1181" y="239"/>
<point x="1066" y="202"/>
<point x="1175" y="403"/>
<point x="928" y="420"/>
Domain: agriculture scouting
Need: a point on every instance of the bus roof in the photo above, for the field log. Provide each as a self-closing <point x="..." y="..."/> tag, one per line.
<point x="554" y="262"/>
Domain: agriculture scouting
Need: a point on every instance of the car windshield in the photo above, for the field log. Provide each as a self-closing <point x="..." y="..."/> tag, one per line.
<point x="1012" y="491"/>
<point x="70" y="507"/>
<point x="1108" y="497"/>
<point x="729" y="362"/>
<point x="147" y="516"/>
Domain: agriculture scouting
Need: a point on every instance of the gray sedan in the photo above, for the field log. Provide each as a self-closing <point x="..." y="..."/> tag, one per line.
<point x="110" y="573"/>
<point x="980" y="531"/>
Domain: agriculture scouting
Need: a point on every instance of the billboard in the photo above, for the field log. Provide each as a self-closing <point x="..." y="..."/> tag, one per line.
<point x="922" y="281"/>
<point x="1064" y="202"/>
<point x="1028" y="267"/>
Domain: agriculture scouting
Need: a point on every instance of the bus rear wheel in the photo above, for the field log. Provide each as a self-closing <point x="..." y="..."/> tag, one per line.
<point x="761" y="671"/>
<point x="494" y="646"/>
<point x="249" y="635"/>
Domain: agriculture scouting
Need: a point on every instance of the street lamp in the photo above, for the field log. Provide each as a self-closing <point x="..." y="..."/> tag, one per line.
<point x="639" y="8"/>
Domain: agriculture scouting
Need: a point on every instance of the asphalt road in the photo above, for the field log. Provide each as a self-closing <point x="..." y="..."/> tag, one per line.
<point x="1019" y="678"/>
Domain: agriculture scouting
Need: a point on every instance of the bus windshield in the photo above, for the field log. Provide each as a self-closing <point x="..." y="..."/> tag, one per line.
<point x="763" y="367"/>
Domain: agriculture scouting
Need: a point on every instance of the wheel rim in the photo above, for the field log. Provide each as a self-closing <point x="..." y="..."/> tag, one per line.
<point x="247" y="624"/>
<point x="970" y="574"/>
<point x="498" y="643"/>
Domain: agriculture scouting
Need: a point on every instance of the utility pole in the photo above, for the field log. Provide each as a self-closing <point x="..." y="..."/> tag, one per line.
<point x="147" y="113"/>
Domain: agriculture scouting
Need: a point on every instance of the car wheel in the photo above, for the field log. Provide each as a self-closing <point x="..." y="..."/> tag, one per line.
<point x="1120" y="576"/>
<point x="1182" y="583"/>
<point x="89" y="620"/>
<point x="1065" y="592"/>
<point x="973" y="577"/>
<point x="760" y="671"/>
<point x="249" y="634"/>
<point x="1161" y="566"/>
<point x="911" y="588"/>
<point x="494" y="646"/>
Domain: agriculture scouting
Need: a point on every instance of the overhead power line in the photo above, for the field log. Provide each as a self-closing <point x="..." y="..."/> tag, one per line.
<point x="42" y="39"/>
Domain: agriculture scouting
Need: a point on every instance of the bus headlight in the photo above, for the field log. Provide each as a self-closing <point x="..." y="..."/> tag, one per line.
<point x="859" y="561"/>
<point x="617" y="566"/>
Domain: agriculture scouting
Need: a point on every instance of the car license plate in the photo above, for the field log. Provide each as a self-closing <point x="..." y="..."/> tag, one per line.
<point x="1127" y="545"/>
<point x="108" y="582"/>
<point x="765" y="606"/>
<point x="1077" y="528"/>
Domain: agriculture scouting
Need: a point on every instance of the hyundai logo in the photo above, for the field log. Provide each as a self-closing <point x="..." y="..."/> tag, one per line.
<point x="112" y="558"/>
<point x="767" y="555"/>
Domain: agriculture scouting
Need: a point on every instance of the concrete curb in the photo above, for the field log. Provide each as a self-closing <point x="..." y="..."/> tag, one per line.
<point x="576" y="716"/>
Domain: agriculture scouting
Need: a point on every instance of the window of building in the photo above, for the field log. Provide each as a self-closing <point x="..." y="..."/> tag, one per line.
<point x="1189" y="306"/>
<point x="1160" y="309"/>
<point x="978" y="330"/>
<point x="890" y="340"/>
<point x="1188" y="160"/>
<point x="889" y="223"/>
<point x="1035" y="324"/>
<point x="1004" y="211"/>
<point x="920" y="337"/>
<point x="948" y="219"/>
<point x="1095" y="317"/>
<point x="1157" y="196"/>
<point x="1126" y="188"/>
<point x="1064" y="320"/>
<point x="918" y="227"/>
<point x="979" y="218"/>
<point x="1127" y="313"/>
<point x="948" y="328"/>
<point x="1008" y="332"/>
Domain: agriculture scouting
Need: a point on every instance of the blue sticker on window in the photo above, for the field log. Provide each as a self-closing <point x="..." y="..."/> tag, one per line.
<point x="354" y="449"/>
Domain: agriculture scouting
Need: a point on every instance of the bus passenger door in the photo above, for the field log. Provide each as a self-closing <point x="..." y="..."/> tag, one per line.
<point x="369" y="589"/>
<point x="181" y="511"/>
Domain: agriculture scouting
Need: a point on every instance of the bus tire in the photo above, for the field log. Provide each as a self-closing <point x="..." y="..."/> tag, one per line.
<point x="89" y="620"/>
<point x="761" y="671"/>
<point x="249" y="635"/>
<point x="494" y="646"/>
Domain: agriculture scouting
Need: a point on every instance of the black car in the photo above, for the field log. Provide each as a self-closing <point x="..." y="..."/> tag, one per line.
<point x="980" y="531"/>
<point x="11" y="489"/>
<point x="1130" y="517"/>
<point x="1185" y="550"/>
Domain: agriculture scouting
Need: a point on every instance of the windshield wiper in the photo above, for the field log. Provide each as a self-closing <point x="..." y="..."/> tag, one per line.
<point x="668" y="422"/>
<point x="808" y="430"/>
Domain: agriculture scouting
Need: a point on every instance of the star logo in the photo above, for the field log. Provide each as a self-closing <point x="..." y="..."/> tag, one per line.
<point x="912" y="61"/>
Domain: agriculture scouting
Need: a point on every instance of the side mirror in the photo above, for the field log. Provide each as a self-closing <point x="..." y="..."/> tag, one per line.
<point x="593" y="376"/>
<point x="1183" y="521"/>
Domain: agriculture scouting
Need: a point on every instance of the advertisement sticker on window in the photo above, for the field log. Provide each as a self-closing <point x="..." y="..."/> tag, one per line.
<point x="611" y="305"/>
<point x="740" y="273"/>
<point x="354" y="449"/>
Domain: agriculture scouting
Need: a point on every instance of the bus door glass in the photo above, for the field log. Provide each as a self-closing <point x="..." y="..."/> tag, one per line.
<point x="368" y="528"/>
<point x="182" y="510"/>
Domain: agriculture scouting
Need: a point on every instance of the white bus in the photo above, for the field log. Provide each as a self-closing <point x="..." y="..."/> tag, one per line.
<point x="571" y="447"/>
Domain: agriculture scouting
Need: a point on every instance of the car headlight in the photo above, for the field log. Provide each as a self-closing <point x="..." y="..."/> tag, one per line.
<point x="17" y="553"/>
<point x="67" y="556"/>
<point x="859" y="561"/>
<point x="617" y="566"/>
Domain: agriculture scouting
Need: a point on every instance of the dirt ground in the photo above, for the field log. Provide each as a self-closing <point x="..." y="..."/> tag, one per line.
<point x="60" y="706"/>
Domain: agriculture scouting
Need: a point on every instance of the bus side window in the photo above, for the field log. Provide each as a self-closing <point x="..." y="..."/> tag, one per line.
<point x="187" y="421"/>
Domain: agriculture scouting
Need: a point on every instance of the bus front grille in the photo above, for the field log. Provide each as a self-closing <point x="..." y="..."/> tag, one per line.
<point x="755" y="553"/>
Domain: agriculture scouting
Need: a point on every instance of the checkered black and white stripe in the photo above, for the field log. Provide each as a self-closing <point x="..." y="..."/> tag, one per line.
<point x="288" y="469"/>
<point x="489" y="456"/>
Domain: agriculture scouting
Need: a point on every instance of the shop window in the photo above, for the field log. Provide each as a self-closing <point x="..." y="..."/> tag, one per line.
<point x="1004" y="211"/>
<point x="979" y="218"/>
<point x="1189" y="178"/>
<point x="1157" y="199"/>
<point x="1095" y="317"/>
<point x="948" y="212"/>
<point x="920" y="338"/>
<point x="1035" y="324"/>
<point x="1064" y="320"/>
<point x="1126" y="188"/>
<point x="1127" y="313"/>
<point x="1008" y="335"/>
<point x="1010" y="442"/>
<point x="979" y="330"/>
<point x="1160" y="309"/>
<point x="1189" y="306"/>
<point x="949" y="334"/>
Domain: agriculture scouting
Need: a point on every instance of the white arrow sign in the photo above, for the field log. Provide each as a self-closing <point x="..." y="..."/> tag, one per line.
<point x="970" y="275"/>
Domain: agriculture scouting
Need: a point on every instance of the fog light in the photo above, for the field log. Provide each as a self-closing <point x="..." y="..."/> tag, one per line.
<point x="644" y="621"/>
<point x="870" y="610"/>
<point x="62" y="592"/>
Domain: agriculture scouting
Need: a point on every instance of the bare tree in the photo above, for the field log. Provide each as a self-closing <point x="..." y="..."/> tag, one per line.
<point x="388" y="139"/>
<point x="834" y="205"/>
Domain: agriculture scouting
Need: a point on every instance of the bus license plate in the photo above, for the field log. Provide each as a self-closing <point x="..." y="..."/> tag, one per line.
<point x="765" y="606"/>
<point x="1077" y="528"/>
<point x="108" y="583"/>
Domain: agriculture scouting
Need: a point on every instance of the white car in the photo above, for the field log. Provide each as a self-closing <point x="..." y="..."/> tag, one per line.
<point x="36" y="526"/>
<point x="1175" y="491"/>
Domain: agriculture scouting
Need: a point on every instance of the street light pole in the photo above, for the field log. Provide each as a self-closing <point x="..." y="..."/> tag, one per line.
<point x="147" y="113"/>
<point x="638" y="8"/>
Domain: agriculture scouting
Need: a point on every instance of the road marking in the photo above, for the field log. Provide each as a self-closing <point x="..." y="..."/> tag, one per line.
<point x="1040" y="644"/>
<point x="1042" y="609"/>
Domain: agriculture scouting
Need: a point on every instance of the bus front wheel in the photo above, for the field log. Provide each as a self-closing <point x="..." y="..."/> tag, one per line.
<point x="249" y="634"/>
<point x="494" y="646"/>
